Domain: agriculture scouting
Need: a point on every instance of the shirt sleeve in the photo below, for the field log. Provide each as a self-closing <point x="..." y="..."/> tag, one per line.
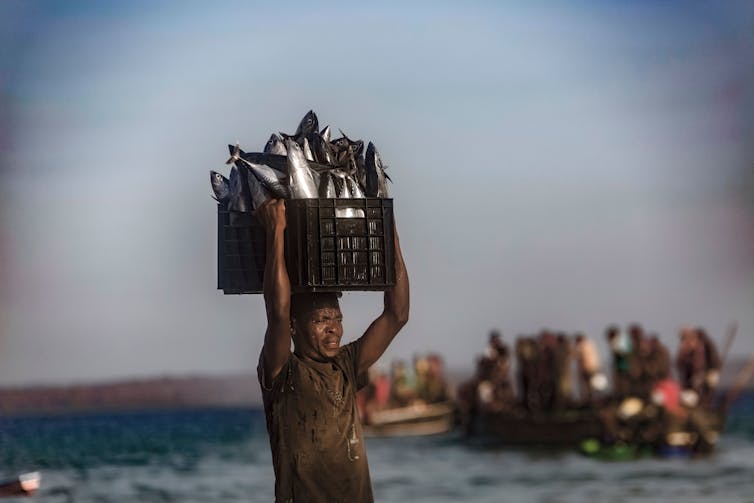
<point x="276" y="382"/>
<point x="351" y="353"/>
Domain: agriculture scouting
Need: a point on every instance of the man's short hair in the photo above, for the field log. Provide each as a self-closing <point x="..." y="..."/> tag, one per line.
<point x="302" y="304"/>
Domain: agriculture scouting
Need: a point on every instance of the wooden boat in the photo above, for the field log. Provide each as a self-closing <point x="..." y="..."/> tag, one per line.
<point x="414" y="420"/>
<point x="578" y="427"/>
<point x="564" y="428"/>
<point x="24" y="485"/>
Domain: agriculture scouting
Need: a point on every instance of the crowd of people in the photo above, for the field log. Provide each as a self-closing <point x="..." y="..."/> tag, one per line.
<point x="421" y="383"/>
<point x="556" y="371"/>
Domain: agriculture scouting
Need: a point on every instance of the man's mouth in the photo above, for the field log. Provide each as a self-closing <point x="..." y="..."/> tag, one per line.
<point x="332" y="343"/>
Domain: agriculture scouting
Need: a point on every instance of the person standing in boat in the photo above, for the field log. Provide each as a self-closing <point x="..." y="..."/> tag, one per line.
<point x="527" y="354"/>
<point x="547" y="378"/>
<point x="588" y="365"/>
<point x="437" y="386"/>
<point x="657" y="364"/>
<point x="620" y="348"/>
<point x="712" y="365"/>
<point x="690" y="361"/>
<point x="309" y="394"/>
<point x="563" y="370"/>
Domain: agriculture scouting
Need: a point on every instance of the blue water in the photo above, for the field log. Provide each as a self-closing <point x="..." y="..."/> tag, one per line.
<point x="223" y="456"/>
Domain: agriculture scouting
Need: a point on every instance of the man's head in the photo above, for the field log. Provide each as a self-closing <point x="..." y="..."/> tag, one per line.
<point x="689" y="338"/>
<point x="611" y="332"/>
<point x="316" y="325"/>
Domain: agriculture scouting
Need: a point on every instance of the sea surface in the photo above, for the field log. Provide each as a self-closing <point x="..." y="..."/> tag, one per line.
<point x="223" y="456"/>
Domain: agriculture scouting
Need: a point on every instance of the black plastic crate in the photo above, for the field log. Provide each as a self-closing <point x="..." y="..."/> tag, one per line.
<point x="330" y="245"/>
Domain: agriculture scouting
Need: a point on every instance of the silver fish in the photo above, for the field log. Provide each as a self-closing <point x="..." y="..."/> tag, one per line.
<point x="259" y="193"/>
<point x="272" y="179"/>
<point x="346" y="185"/>
<point x="360" y="172"/>
<point x="308" y="150"/>
<point x="340" y="152"/>
<point x="239" y="200"/>
<point x="275" y="146"/>
<point x="307" y="126"/>
<point x="357" y="146"/>
<point x="327" y="186"/>
<point x="301" y="182"/>
<point x="325" y="134"/>
<point x="220" y="187"/>
<point x="376" y="179"/>
<point x="356" y="191"/>
<point x="323" y="151"/>
<point x="342" y="186"/>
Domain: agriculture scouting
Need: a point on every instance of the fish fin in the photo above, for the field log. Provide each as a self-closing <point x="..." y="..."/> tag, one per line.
<point x="387" y="177"/>
<point x="234" y="153"/>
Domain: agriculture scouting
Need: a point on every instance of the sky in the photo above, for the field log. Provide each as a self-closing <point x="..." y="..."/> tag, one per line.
<point x="567" y="166"/>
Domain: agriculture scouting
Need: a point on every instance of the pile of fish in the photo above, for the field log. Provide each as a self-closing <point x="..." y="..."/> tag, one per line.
<point x="306" y="164"/>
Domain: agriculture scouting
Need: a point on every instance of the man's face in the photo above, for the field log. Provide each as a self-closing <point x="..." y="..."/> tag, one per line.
<point x="318" y="334"/>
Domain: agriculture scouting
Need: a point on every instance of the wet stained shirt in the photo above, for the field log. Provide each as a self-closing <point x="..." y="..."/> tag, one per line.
<point x="315" y="434"/>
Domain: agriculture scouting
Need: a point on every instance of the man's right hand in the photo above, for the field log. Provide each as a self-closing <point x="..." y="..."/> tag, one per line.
<point x="272" y="215"/>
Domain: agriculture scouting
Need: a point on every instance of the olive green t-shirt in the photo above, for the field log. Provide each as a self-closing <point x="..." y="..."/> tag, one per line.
<point x="315" y="434"/>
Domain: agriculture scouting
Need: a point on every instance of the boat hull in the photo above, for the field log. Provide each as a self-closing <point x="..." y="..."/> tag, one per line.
<point x="415" y="420"/>
<point x="563" y="429"/>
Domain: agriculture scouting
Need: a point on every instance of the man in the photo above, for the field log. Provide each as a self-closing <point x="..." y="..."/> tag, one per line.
<point x="712" y="365"/>
<point x="563" y="370"/>
<point x="636" y="362"/>
<point x="588" y="365"/>
<point x="620" y="347"/>
<point x="309" y="394"/>
<point x="690" y="361"/>
<point x="527" y="353"/>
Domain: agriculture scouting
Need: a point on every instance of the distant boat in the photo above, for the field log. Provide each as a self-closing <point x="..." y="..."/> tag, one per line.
<point x="583" y="428"/>
<point x="24" y="485"/>
<point x="565" y="429"/>
<point x="414" y="420"/>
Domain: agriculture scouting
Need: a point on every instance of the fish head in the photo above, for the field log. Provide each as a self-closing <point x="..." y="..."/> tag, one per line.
<point x="271" y="143"/>
<point x="220" y="186"/>
<point x="340" y="144"/>
<point x="357" y="147"/>
<point x="293" y="148"/>
<point x="308" y="124"/>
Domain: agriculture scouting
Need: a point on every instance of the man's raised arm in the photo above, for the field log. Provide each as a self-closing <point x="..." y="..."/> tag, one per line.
<point x="277" y="292"/>
<point x="394" y="316"/>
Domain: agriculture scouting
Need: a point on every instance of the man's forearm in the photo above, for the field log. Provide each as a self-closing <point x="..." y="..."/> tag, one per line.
<point x="277" y="291"/>
<point x="277" y="286"/>
<point x="397" y="297"/>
